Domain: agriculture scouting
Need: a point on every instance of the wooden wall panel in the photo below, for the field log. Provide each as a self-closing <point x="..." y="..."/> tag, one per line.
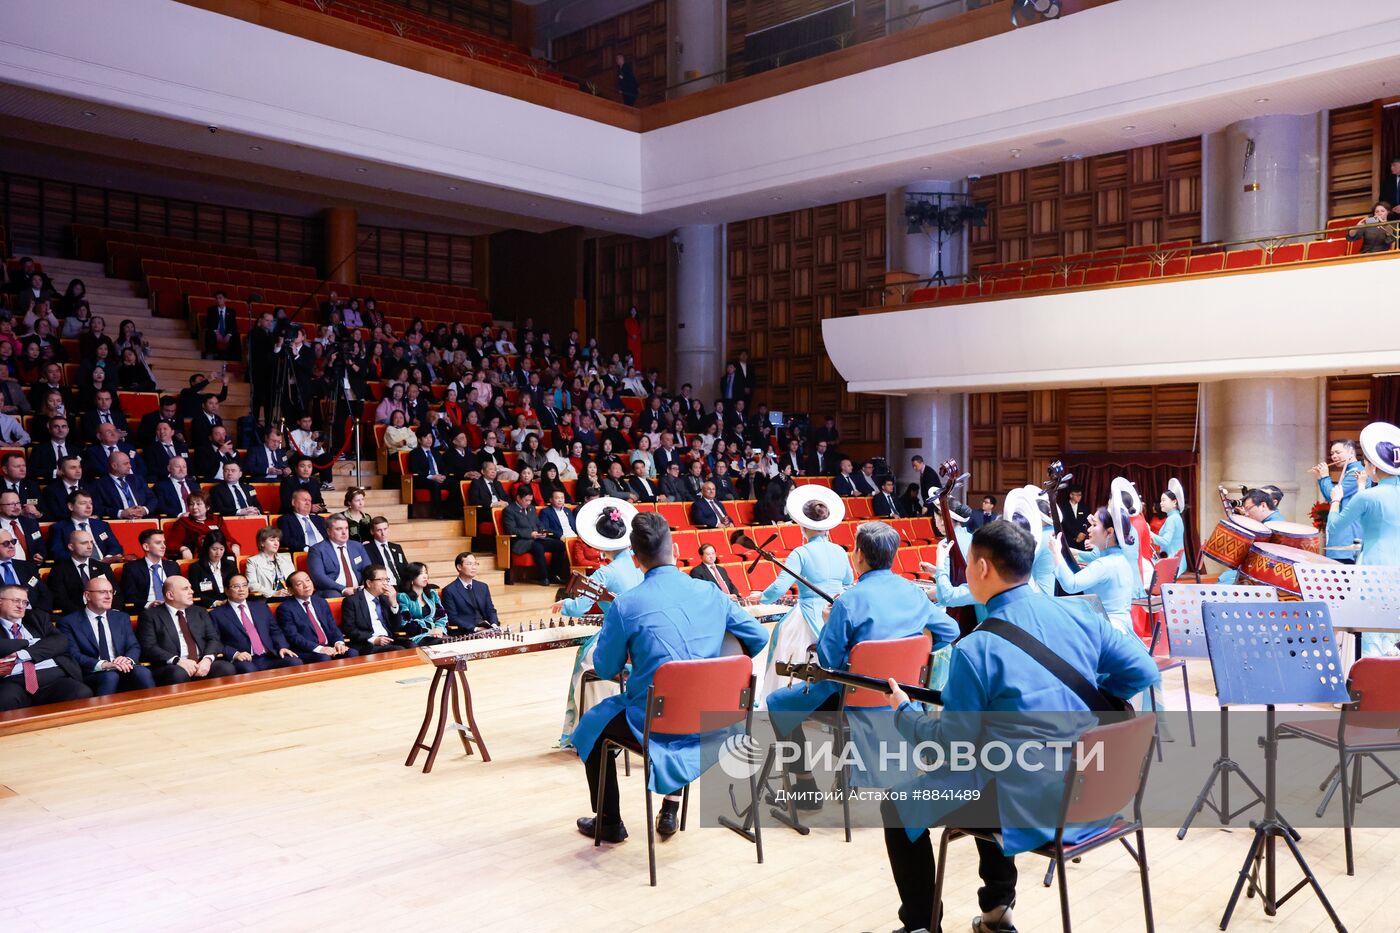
<point x="640" y="34"/>
<point x="1347" y="400"/>
<point x="745" y="16"/>
<point x="1147" y="195"/>
<point x="632" y="271"/>
<point x="38" y="213"/>
<point x="416" y="254"/>
<point x="1353" y="159"/>
<point x="786" y="274"/>
<point x="1014" y="436"/>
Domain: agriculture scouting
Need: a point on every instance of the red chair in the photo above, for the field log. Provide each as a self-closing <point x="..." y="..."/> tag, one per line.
<point x="792" y="536"/>
<point x="1208" y="262"/>
<point x="687" y="545"/>
<point x="243" y="531"/>
<point x="677" y="514"/>
<point x="1244" y="258"/>
<point x="1319" y="250"/>
<point x="843" y="535"/>
<point x="1369" y="724"/>
<point x="1039" y="282"/>
<point x="719" y="540"/>
<point x="1093" y="792"/>
<point x="1101" y="275"/>
<point x="1287" y="253"/>
<point x="859" y="507"/>
<point x="128" y="534"/>
<point x="691" y="698"/>
<point x="1134" y="271"/>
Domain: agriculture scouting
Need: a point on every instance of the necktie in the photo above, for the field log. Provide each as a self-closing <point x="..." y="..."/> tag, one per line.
<point x="253" y="637"/>
<point x="719" y="578"/>
<point x="82" y="526"/>
<point x="31" y="679"/>
<point x="432" y="464"/>
<point x="127" y="500"/>
<point x="345" y="567"/>
<point x="83" y="572"/>
<point x="890" y="500"/>
<point x="240" y="500"/>
<point x="169" y="451"/>
<point x="157" y="579"/>
<point x="184" y="494"/>
<point x="309" y="531"/>
<point x="187" y="635"/>
<point x="59" y="452"/>
<point x="320" y="633"/>
<point x="104" y="647"/>
<point x="19" y="538"/>
<point x="110" y="450"/>
<point x="389" y="563"/>
<point x="105" y="417"/>
<point x="7" y="573"/>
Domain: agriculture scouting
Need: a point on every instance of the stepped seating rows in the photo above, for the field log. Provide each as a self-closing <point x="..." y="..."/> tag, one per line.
<point x="439" y="34"/>
<point x="1135" y="264"/>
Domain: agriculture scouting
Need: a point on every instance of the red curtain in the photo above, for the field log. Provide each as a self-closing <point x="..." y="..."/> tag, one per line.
<point x="1149" y="470"/>
<point x="1385" y="399"/>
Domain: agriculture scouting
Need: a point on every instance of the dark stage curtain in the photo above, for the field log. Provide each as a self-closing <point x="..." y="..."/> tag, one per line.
<point x="1385" y="399"/>
<point x="1149" y="470"/>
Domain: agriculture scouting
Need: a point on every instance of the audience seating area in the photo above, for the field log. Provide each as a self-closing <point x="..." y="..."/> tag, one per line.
<point x="1150" y="262"/>
<point x="397" y="20"/>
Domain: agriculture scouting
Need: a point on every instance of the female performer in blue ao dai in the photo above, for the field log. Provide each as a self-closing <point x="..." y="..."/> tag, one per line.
<point x="1373" y="515"/>
<point x="817" y="509"/>
<point x="1110" y="577"/>
<point x="603" y="523"/>
<point x="1171" y="538"/>
<point x="1033" y="508"/>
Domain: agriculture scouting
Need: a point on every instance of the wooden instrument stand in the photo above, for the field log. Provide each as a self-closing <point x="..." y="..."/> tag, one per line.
<point x="451" y="670"/>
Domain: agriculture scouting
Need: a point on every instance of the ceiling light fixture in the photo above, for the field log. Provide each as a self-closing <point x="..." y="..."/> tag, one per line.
<point x="256" y="148"/>
<point x="89" y="113"/>
<point x="361" y="170"/>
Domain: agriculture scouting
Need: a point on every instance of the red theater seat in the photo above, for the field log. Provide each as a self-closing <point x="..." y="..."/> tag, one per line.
<point x="1209" y="262"/>
<point x="1244" y="258"/>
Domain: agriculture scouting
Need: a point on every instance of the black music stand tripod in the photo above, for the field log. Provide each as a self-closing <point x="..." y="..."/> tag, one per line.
<point x="1262" y="654"/>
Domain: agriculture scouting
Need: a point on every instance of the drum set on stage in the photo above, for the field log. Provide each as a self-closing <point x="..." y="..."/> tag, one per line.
<point x="1266" y="554"/>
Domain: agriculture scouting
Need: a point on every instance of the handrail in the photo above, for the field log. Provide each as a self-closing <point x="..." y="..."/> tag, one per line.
<point x="1270" y="243"/>
<point x="843" y="40"/>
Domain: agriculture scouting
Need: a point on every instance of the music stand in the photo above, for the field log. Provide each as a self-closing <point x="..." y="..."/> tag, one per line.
<point x="1266" y="653"/>
<point x="1181" y="607"/>
<point x="1363" y="599"/>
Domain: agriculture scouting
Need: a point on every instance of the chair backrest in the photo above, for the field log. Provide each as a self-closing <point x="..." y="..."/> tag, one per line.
<point x="1377" y="682"/>
<point x="904" y="659"/>
<point x="1165" y="570"/>
<point x="1110" y="769"/>
<point x="688" y="697"/>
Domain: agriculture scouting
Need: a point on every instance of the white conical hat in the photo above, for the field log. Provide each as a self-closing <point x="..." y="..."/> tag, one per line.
<point x="1120" y="485"/>
<point x="586" y="521"/>
<point x="1020" y="507"/>
<point x="814" y="492"/>
<point x="1174" y="486"/>
<point x="1380" y="442"/>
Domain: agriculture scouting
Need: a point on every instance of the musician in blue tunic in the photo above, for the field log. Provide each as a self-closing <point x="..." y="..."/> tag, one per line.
<point x="945" y="593"/>
<point x="882" y="605"/>
<point x="668" y="617"/>
<point x="604" y="524"/>
<point x="1373" y="515"/>
<point x="817" y="509"/>
<point x="1170" y="539"/>
<point x="1110" y="577"/>
<point x="1033" y="508"/>
<point x="990" y="674"/>
<point x="1343" y="456"/>
<point x="1258" y="505"/>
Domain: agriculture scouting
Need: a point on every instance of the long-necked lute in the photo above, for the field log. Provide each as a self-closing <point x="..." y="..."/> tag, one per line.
<point x="813" y="673"/>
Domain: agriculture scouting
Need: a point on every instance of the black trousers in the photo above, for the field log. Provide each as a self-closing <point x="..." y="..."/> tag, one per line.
<point x="596" y="763"/>
<point x="167" y="674"/>
<point x="439" y="497"/>
<point x="364" y="647"/>
<point x="912" y="864"/>
<point x="556" y="567"/>
<point x="54" y="687"/>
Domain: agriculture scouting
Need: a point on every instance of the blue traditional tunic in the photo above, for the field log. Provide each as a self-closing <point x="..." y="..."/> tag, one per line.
<point x="1043" y="570"/>
<point x="669" y="617"/>
<point x="1352" y="483"/>
<point x="1373" y="515"/>
<point x="1171" y="540"/>
<point x="1112" y="579"/>
<point x="882" y="605"/>
<point x="950" y="596"/>
<point x="987" y="673"/>
<point x="828" y="567"/>
<point x="618" y="576"/>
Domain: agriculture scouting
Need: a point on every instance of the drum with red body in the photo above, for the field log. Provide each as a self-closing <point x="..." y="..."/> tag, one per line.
<point x="1232" y="539"/>
<point x="1275" y="565"/>
<point x="1292" y="534"/>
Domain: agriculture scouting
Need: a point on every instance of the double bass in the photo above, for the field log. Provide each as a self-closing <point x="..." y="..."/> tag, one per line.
<point x="951" y="475"/>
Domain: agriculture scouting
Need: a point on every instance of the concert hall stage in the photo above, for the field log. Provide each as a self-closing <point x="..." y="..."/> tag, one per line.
<point x="292" y="809"/>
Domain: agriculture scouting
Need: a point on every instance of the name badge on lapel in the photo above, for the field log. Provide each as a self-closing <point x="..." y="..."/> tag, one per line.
<point x="102" y="536"/>
<point x="35" y="535"/>
<point x="206" y="585"/>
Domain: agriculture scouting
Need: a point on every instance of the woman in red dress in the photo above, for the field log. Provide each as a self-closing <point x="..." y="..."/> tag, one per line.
<point x="184" y="534"/>
<point x="633" y="326"/>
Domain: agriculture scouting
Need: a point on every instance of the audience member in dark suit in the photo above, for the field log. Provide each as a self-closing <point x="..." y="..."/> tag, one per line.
<point x="26" y="530"/>
<point x="672" y="485"/>
<point x="829" y="433"/>
<point x="101" y="641"/>
<point x="886" y="504"/>
<point x="210" y="457"/>
<point x="865" y="480"/>
<point x="148" y="430"/>
<point x="44" y="457"/>
<point x="104" y="411"/>
<point x="527" y="537"/>
<point x="385" y="553"/>
<point x="172" y="492"/>
<point x="29" y="638"/>
<point x="337" y="564"/>
<point x="711" y="572"/>
<point x="707" y="511"/>
<point x="306" y="620"/>
<point x="267" y="462"/>
<point x="984" y="515"/>
<point x="23" y="573"/>
<point x="204" y="421"/>
<point x="220" y="330"/>
<point x="666" y="454"/>
<point x="459" y="462"/>
<point x="844" y="483"/>
<point x="162" y="450"/>
<point x="253" y="641"/>
<point x="15" y="478"/>
<point x="119" y="493"/>
<point x="233" y="496"/>
<point x="53" y="501"/>
<point x="166" y="632"/>
<point x="80" y="519"/>
<point x="616" y="485"/>
<point x="97" y="459"/>
<point x="303" y="477"/>
<point x="468" y="600"/>
<point x="724" y="482"/>
<point x="214" y="566"/>
<point x="486" y="493"/>
<point x="928" y="476"/>
<point x="428" y="474"/>
<point x="731" y="384"/>
<point x="144" y="579"/>
<point x="819" y="462"/>
<point x="293" y="524"/>
<point x="1074" y="518"/>
<point x="558" y="519"/>
<point x="370" y="621"/>
<point x="70" y="573"/>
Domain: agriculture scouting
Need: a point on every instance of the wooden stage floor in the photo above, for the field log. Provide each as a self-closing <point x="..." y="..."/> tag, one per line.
<point x="292" y="810"/>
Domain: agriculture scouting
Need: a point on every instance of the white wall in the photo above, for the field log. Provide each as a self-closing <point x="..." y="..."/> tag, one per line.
<point x="1285" y="322"/>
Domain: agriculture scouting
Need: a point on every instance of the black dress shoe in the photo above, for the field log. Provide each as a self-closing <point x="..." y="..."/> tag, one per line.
<point x="666" y="821"/>
<point x="612" y="832"/>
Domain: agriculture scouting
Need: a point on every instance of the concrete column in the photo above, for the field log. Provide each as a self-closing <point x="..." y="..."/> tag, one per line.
<point x="1256" y="432"/>
<point x="697" y="30"/>
<point x="697" y="266"/>
<point x="926" y="423"/>
<point x="342" y="232"/>
<point x="1264" y="176"/>
<point x="917" y="253"/>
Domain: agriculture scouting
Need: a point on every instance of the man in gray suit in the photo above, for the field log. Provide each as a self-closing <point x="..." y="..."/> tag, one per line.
<point x="527" y="536"/>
